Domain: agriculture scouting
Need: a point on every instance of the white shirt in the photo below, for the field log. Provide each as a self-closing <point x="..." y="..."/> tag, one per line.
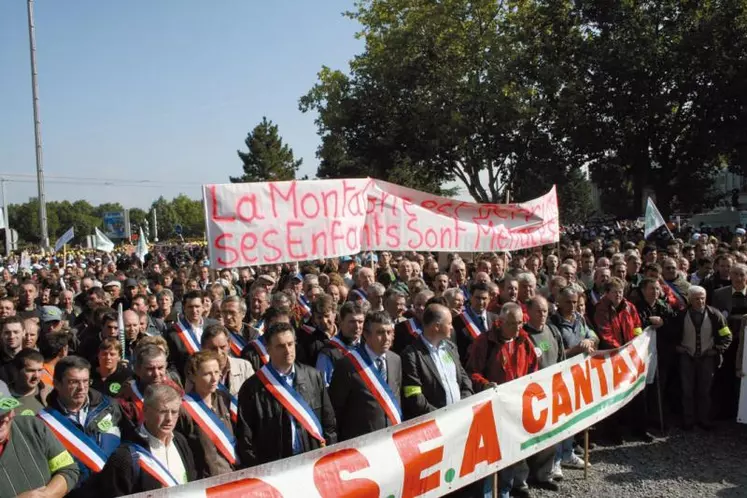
<point x="168" y="456"/>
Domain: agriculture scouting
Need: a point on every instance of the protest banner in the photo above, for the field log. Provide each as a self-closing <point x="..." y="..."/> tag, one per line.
<point x="742" y="412"/>
<point x="457" y="445"/>
<point x="277" y="222"/>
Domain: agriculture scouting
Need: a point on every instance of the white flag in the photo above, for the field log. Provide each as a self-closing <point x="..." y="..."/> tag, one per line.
<point x="66" y="237"/>
<point x="142" y="246"/>
<point x="101" y="242"/>
<point x="654" y="219"/>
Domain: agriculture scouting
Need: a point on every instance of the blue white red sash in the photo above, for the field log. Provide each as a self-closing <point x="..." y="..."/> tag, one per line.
<point x="305" y="305"/>
<point x="188" y="338"/>
<point x="309" y="329"/>
<point x="211" y="425"/>
<point x="260" y="325"/>
<point x="234" y="406"/>
<point x="470" y="326"/>
<point x="337" y="343"/>
<point x="413" y="328"/>
<point x="77" y="442"/>
<point x="138" y="395"/>
<point x="291" y="401"/>
<point x="237" y="343"/>
<point x="681" y="300"/>
<point x="148" y="463"/>
<point x="361" y="294"/>
<point x="380" y="390"/>
<point x="259" y="347"/>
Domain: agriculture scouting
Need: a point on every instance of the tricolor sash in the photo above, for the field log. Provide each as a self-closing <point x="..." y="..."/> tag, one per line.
<point x="211" y="425"/>
<point x="361" y="294"/>
<point x="305" y="305"/>
<point x="234" y="406"/>
<point x="138" y="395"/>
<point x="470" y="325"/>
<point x="149" y="464"/>
<point x="413" y="328"/>
<point x="681" y="300"/>
<point x="188" y="338"/>
<point x="259" y="347"/>
<point x="238" y="343"/>
<point x="260" y="325"/>
<point x="77" y="442"/>
<point x="337" y="342"/>
<point x="291" y="401"/>
<point x="309" y="329"/>
<point x="380" y="390"/>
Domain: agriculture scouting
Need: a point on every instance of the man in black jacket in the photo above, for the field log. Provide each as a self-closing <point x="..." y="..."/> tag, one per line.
<point x="155" y="457"/>
<point x="406" y="332"/>
<point x="372" y="369"/>
<point x="185" y="336"/>
<point x="427" y="361"/>
<point x="266" y="430"/>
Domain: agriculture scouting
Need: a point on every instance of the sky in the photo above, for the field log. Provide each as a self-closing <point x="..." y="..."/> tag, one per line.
<point x="158" y="90"/>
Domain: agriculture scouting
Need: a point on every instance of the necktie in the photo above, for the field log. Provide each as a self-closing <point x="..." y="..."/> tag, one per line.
<point x="380" y="366"/>
<point x="484" y="320"/>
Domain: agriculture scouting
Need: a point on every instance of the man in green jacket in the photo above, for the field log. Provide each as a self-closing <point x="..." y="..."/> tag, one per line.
<point x="33" y="463"/>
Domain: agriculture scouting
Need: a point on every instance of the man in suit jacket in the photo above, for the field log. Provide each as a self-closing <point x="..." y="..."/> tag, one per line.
<point x="731" y="301"/>
<point x="357" y="410"/>
<point x="405" y="333"/>
<point x="122" y="475"/>
<point x="474" y="320"/>
<point x="427" y="361"/>
<point x="266" y="431"/>
<point x="185" y="336"/>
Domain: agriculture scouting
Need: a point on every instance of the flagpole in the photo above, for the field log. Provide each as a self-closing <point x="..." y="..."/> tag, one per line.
<point x="64" y="255"/>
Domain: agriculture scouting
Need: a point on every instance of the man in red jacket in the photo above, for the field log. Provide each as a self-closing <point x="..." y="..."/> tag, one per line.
<point x="618" y="323"/>
<point x="505" y="353"/>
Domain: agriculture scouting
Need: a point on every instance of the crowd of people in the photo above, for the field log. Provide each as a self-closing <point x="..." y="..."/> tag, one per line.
<point x="208" y="371"/>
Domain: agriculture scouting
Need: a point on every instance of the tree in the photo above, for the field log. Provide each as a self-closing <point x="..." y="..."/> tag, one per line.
<point x="267" y="159"/>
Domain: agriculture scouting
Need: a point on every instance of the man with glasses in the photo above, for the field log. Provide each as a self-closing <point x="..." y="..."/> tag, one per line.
<point x="88" y="424"/>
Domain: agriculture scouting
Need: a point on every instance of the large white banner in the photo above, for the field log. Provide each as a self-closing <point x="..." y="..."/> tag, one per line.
<point x="275" y="222"/>
<point x="742" y="413"/>
<point x="457" y="445"/>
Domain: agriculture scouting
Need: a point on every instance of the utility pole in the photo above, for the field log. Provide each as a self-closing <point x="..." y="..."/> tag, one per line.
<point x="7" y="219"/>
<point x="37" y="129"/>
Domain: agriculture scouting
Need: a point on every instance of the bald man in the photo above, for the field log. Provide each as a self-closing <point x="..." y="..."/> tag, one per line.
<point x="423" y="391"/>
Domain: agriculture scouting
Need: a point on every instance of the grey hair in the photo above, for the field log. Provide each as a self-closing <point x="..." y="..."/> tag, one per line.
<point x="739" y="266"/>
<point x="166" y="292"/>
<point x="695" y="290"/>
<point x="156" y="394"/>
<point x="510" y="308"/>
<point x="568" y="291"/>
<point x="147" y="353"/>
<point x="234" y="299"/>
<point x="527" y="278"/>
<point x="378" y="288"/>
<point x="451" y="294"/>
<point x="310" y="279"/>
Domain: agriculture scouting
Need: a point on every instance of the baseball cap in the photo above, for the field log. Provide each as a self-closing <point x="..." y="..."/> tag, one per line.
<point x="346" y="259"/>
<point x="130" y="282"/>
<point x="51" y="314"/>
<point x="297" y="276"/>
<point x="113" y="283"/>
<point x="267" y="278"/>
<point x="7" y="401"/>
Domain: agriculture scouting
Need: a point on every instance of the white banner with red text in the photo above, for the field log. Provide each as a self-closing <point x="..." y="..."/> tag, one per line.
<point x="452" y="447"/>
<point x="276" y="222"/>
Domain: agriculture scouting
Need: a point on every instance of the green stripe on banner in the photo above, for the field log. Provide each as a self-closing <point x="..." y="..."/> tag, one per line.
<point x="585" y="414"/>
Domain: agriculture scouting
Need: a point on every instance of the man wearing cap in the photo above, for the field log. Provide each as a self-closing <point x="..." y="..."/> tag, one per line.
<point x="31" y="458"/>
<point x="114" y="288"/>
<point x="130" y="291"/>
<point x="51" y="319"/>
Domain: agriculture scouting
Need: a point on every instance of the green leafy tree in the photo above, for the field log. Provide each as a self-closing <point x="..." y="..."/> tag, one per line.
<point x="267" y="158"/>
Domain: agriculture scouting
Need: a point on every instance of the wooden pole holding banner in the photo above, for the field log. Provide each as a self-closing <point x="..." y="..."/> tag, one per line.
<point x="658" y="400"/>
<point x="496" y="491"/>
<point x="586" y="454"/>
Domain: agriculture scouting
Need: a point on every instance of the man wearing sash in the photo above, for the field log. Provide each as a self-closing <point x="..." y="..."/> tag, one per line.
<point x="154" y="457"/>
<point x="474" y="320"/>
<point x="352" y="317"/>
<point x="88" y="424"/>
<point x="256" y="351"/>
<point x="365" y="388"/>
<point x="150" y="368"/>
<point x="284" y="410"/>
<point x="408" y="331"/>
<point x="675" y="285"/>
<point x="363" y="279"/>
<point x="233" y="311"/>
<point x="186" y="334"/>
<point x="313" y="335"/>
